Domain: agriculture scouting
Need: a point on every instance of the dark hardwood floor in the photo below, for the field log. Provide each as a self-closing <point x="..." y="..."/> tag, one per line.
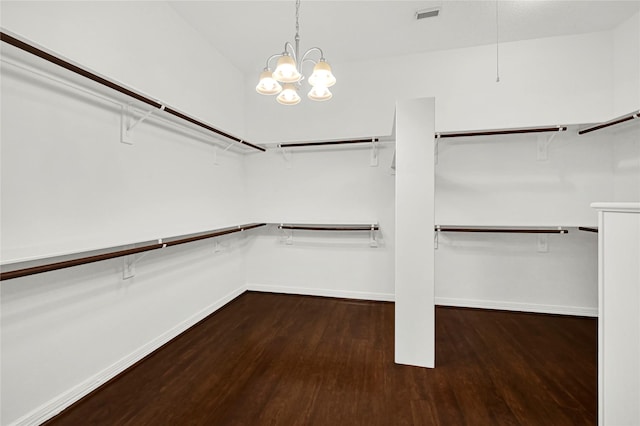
<point x="269" y="359"/>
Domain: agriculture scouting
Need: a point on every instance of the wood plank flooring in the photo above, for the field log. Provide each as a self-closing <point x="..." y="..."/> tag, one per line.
<point x="270" y="359"/>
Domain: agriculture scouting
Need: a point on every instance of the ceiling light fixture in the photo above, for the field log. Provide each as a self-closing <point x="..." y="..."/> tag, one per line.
<point x="288" y="72"/>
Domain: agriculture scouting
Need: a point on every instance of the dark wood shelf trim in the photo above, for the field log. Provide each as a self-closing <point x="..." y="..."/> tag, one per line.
<point x="588" y="229"/>
<point x="326" y="143"/>
<point x="609" y="123"/>
<point x="313" y="227"/>
<point x="501" y="230"/>
<point x="443" y="135"/>
<point x="20" y="44"/>
<point x="120" y="253"/>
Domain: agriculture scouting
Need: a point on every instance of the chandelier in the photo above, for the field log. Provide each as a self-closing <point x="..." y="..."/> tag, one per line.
<point x="288" y="72"/>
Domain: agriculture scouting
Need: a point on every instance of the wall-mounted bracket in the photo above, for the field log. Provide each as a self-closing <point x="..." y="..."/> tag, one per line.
<point x="287" y="235"/>
<point x="543" y="145"/>
<point x="215" y="153"/>
<point x="373" y="161"/>
<point x="543" y="243"/>
<point x="126" y="126"/>
<point x="436" y="235"/>
<point x="286" y="154"/>
<point x="129" y="263"/>
<point x="373" y="242"/>
<point x="436" y="146"/>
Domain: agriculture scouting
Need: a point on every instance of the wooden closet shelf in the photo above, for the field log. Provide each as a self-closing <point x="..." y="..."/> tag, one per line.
<point x="502" y="229"/>
<point x="613" y="122"/>
<point x="174" y="241"/>
<point x="327" y="143"/>
<point x="443" y="135"/>
<point x="319" y="227"/>
<point x="588" y="228"/>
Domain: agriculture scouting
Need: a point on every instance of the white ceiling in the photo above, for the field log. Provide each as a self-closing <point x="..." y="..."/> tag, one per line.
<point x="247" y="32"/>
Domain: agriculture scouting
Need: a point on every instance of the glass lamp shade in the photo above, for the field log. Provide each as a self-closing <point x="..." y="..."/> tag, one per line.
<point x="319" y="93"/>
<point x="289" y="95"/>
<point x="267" y="84"/>
<point x="322" y="75"/>
<point x="286" y="71"/>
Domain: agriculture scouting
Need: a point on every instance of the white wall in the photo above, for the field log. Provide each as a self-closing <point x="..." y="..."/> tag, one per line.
<point x="68" y="184"/>
<point x="326" y="185"/>
<point x="143" y="44"/>
<point x="542" y="82"/>
<point x="625" y="141"/>
<point x="626" y="67"/>
<point x="499" y="181"/>
<point x="625" y="138"/>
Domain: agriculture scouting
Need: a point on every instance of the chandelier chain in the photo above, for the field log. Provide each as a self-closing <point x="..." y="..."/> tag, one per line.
<point x="497" y="45"/>
<point x="297" y="17"/>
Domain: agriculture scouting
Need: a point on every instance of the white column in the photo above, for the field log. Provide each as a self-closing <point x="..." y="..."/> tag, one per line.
<point x="414" y="272"/>
<point x="619" y="316"/>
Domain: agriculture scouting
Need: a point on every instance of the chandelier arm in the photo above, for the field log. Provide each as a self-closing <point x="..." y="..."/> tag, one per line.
<point x="311" y="50"/>
<point x="291" y="51"/>
<point x="276" y="55"/>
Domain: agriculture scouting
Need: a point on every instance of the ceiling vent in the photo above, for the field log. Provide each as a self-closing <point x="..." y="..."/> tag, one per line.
<point x="428" y="13"/>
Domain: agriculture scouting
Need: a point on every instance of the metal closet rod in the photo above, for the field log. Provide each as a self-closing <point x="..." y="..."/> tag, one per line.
<point x="442" y="135"/>
<point x="310" y="227"/>
<point x="117" y="87"/>
<point x="501" y="230"/>
<point x="342" y="142"/>
<point x="610" y="123"/>
<point x="174" y="241"/>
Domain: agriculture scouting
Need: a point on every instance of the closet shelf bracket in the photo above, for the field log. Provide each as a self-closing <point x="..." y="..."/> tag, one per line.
<point x="129" y="262"/>
<point x="543" y="145"/>
<point x="215" y="153"/>
<point x="286" y="154"/>
<point x="126" y="125"/>
<point x="373" y="242"/>
<point x="374" y="153"/>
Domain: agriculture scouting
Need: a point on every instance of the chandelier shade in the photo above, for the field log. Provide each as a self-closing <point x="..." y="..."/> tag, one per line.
<point x="322" y="75"/>
<point x="267" y="84"/>
<point x="288" y="71"/>
<point x="319" y="93"/>
<point x="289" y="95"/>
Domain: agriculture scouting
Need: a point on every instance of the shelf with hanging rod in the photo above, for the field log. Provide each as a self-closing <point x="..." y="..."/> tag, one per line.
<point x="42" y="53"/>
<point x="118" y="252"/>
<point x="445" y="135"/>
<point x="613" y="122"/>
<point x="328" y="143"/>
<point x="503" y="229"/>
<point x="329" y="227"/>
<point x="588" y="228"/>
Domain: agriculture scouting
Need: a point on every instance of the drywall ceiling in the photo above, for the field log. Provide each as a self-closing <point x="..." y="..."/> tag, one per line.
<point x="247" y="32"/>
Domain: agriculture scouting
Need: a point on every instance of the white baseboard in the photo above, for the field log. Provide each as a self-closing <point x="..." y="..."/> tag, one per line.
<point x="516" y="306"/>
<point x="306" y="291"/>
<point x="53" y="407"/>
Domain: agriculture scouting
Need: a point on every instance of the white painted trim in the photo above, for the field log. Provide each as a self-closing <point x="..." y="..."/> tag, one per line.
<point x="516" y="306"/>
<point x="630" y="207"/>
<point x="308" y="291"/>
<point x="53" y="407"/>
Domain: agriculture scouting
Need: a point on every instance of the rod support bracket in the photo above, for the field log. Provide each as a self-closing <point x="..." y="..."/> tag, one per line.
<point x="373" y="242"/>
<point x="126" y="126"/>
<point x="373" y="161"/>
<point x="286" y="154"/>
<point x="543" y="146"/>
